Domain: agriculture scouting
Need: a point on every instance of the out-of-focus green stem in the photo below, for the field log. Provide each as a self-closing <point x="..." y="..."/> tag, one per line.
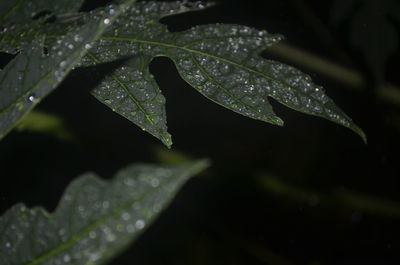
<point x="338" y="198"/>
<point x="45" y="123"/>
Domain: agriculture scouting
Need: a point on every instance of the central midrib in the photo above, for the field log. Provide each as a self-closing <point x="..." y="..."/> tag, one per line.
<point x="169" y="45"/>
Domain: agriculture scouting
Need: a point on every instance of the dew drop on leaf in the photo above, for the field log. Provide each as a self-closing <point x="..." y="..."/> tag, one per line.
<point x="126" y="216"/>
<point x="92" y="235"/>
<point x="155" y="182"/>
<point x="31" y="98"/>
<point x="106" y="204"/>
<point x="139" y="224"/>
<point x="66" y="258"/>
<point x="77" y="38"/>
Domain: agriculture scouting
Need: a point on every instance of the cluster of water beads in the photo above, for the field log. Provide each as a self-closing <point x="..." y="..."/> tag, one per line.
<point x="193" y="4"/>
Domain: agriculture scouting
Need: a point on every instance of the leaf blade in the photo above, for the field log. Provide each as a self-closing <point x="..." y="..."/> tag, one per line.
<point x="14" y="11"/>
<point x="86" y="226"/>
<point x="223" y="63"/>
<point x="23" y="89"/>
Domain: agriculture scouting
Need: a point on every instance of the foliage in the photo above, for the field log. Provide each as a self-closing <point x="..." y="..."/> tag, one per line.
<point x="221" y="61"/>
<point x="94" y="220"/>
<point x="97" y="219"/>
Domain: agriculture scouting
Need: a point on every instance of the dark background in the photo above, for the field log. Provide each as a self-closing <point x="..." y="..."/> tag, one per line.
<point x="232" y="214"/>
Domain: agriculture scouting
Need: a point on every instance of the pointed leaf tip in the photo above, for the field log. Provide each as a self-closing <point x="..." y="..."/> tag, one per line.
<point x="166" y="139"/>
<point x="360" y="133"/>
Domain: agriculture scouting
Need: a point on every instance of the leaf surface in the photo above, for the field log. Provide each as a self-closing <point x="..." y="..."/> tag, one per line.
<point x="32" y="75"/>
<point x="12" y="11"/>
<point x="95" y="219"/>
<point x="23" y="20"/>
<point x="220" y="61"/>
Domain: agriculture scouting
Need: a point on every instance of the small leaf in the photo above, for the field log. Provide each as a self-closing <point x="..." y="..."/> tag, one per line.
<point x="32" y="75"/>
<point x="95" y="219"/>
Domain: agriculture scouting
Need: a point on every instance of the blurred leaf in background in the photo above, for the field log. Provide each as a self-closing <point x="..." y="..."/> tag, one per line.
<point x="372" y="29"/>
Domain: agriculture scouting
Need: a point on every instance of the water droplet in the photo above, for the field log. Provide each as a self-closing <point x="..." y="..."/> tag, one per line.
<point x="66" y="258"/>
<point x="139" y="224"/>
<point x="63" y="64"/>
<point x="106" y="21"/>
<point x="155" y="182"/>
<point x="126" y="216"/>
<point x="70" y="46"/>
<point x="106" y="204"/>
<point x="110" y="237"/>
<point x="8" y="245"/>
<point x="77" y="38"/>
<point x="61" y="232"/>
<point x="94" y="256"/>
<point x="92" y="235"/>
<point x="88" y="46"/>
<point x="129" y="181"/>
<point x="31" y="98"/>
<point x="111" y="11"/>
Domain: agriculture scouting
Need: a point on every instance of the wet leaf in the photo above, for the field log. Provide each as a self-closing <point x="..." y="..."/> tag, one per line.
<point x="33" y="74"/>
<point x="95" y="219"/>
<point x="23" y="20"/>
<point x="12" y="11"/>
<point x="221" y="61"/>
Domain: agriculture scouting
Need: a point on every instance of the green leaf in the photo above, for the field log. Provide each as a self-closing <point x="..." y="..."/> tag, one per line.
<point x="12" y="11"/>
<point x="32" y="75"/>
<point x="221" y="61"/>
<point x="18" y="22"/>
<point x="95" y="219"/>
